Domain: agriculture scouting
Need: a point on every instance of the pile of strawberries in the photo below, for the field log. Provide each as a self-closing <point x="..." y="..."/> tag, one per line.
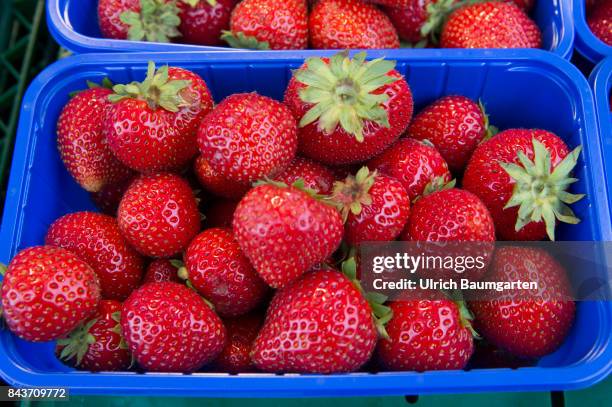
<point x="288" y="190"/>
<point x="599" y="19"/>
<point x="323" y="24"/>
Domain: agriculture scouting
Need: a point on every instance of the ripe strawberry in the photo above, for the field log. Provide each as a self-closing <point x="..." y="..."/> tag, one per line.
<point x="216" y="267"/>
<point x="241" y="333"/>
<point x="152" y="125"/>
<point x="454" y="125"/>
<point x="170" y="328"/>
<point x="220" y="213"/>
<point x="107" y="199"/>
<point x="526" y="5"/>
<point x="284" y="231"/>
<point x="215" y="183"/>
<point x="96" y="239"/>
<point x="160" y="270"/>
<point x="97" y="344"/>
<point x="268" y="24"/>
<point x="426" y="334"/>
<point x="159" y="215"/>
<point x="490" y="24"/>
<point x="247" y="137"/>
<point x="522" y="176"/>
<point x="51" y="286"/>
<point x="345" y="117"/>
<point x="82" y="147"/>
<point x="599" y="19"/>
<point x="202" y="21"/>
<point x="375" y="206"/>
<point x="417" y="165"/>
<point x="535" y="324"/>
<point x="315" y="176"/>
<point x="345" y="24"/>
<point x="415" y="19"/>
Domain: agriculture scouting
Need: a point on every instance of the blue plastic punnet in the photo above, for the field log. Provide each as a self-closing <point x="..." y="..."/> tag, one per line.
<point x="74" y="24"/>
<point x="587" y="44"/>
<point x="532" y="89"/>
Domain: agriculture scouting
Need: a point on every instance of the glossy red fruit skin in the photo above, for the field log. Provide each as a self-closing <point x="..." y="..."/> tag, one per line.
<point x="349" y="24"/>
<point x="384" y="219"/>
<point x="526" y="5"/>
<point x="454" y="125"/>
<point x="105" y="354"/>
<point x="222" y="274"/>
<point x="108" y="198"/>
<point x="316" y="176"/>
<point x="220" y="213"/>
<point x="425" y="335"/>
<point x="81" y="144"/>
<point x="161" y="270"/>
<point x="241" y="333"/>
<point x="51" y="286"/>
<point x="320" y="323"/>
<point x="248" y="136"/>
<point x="408" y="19"/>
<point x="159" y="215"/>
<point x="340" y="147"/>
<point x="215" y="183"/>
<point x="283" y="25"/>
<point x="599" y="19"/>
<point x="109" y="17"/>
<point x="96" y="239"/>
<point x="413" y="163"/>
<point x="149" y="140"/>
<point x="486" y="179"/>
<point x="284" y="232"/>
<point x="490" y="24"/>
<point x="528" y="327"/>
<point x="202" y="24"/>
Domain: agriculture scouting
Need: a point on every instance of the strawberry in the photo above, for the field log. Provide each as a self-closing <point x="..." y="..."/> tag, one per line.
<point x="216" y="267"/>
<point x="202" y="21"/>
<point x="284" y="231"/>
<point x="535" y="324"/>
<point x="315" y="176"/>
<point x="152" y="125"/>
<point x="375" y="206"/>
<point x="417" y="165"/>
<point x="268" y="24"/>
<point x="97" y="240"/>
<point x="107" y="199"/>
<point x="345" y="24"/>
<point x="522" y="176"/>
<point x="215" y="183"/>
<point x="414" y="19"/>
<point x="247" y="137"/>
<point x="454" y="125"/>
<point x="599" y="19"/>
<point x="160" y="270"/>
<point x="348" y="109"/>
<point x="220" y="213"/>
<point x="51" y="286"/>
<point x="97" y="344"/>
<point x="526" y="5"/>
<point x="170" y="328"/>
<point x="490" y="24"/>
<point x="81" y="144"/>
<point x="159" y="215"/>
<point x="241" y="333"/>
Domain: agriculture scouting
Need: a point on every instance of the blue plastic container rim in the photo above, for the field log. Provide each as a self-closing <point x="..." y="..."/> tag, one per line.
<point x="587" y="44"/>
<point x="68" y="38"/>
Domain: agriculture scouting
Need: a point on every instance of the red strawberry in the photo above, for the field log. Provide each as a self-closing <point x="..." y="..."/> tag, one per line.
<point x="160" y="270"/>
<point x="522" y="176"/>
<point x="82" y="147"/>
<point x="51" y="287"/>
<point x="454" y="125"/>
<point x="220" y="213"/>
<point x="284" y="231"/>
<point x="241" y="333"/>
<point x="170" y="328"/>
<point x="97" y="344"/>
<point x="415" y="19"/>
<point x="599" y="19"/>
<point x="345" y="117"/>
<point x="417" y="165"/>
<point x="268" y="24"/>
<point x="152" y="125"/>
<point x="159" y="215"/>
<point x="97" y="240"/>
<point x="219" y="271"/>
<point x="315" y="176"/>
<point x="426" y="334"/>
<point x="536" y="323"/>
<point x="247" y="137"/>
<point x="490" y="24"/>
<point x="345" y="24"/>
<point x="526" y="5"/>
<point x="203" y="20"/>
<point x="107" y="199"/>
<point x="216" y="183"/>
<point x="375" y="206"/>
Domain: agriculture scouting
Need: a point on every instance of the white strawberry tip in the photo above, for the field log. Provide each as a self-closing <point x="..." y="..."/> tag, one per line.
<point x="157" y="21"/>
<point x="342" y="92"/>
<point x="540" y="192"/>
<point x="76" y="345"/>
<point x="350" y="195"/>
<point x="242" y="41"/>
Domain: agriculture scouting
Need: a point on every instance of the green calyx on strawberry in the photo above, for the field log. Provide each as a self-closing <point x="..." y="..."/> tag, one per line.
<point x="75" y="346"/>
<point x="541" y="194"/>
<point x="465" y="315"/>
<point x="183" y="274"/>
<point x="350" y="195"/>
<point x="156" y="90"/>
<point x="437" y="13"/>
<point x="194" y="3"/>
<point x="343" y="92"/>
<point x="437" y="184"/>
<point x="106" y="84"/>
<point x="158" y="21"/>
<point x="380" y="312"/>
<point x="240" y="40"/>
<point x="298" y="184"/>
<point x="490" y="130"/>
